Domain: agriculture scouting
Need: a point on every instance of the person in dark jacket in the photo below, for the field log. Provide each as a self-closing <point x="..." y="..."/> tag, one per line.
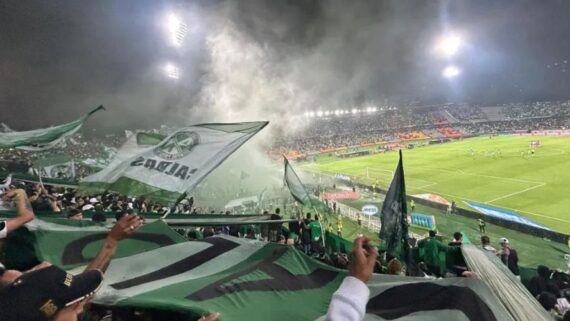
<point x="543" y="283"/>
<point x="306" y="234"/>
<point x="509" y="256"/>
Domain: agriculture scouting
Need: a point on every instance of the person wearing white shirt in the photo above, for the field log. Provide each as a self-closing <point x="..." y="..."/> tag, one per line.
<point x="349" y="301"/>
<point x="564" y="304"/>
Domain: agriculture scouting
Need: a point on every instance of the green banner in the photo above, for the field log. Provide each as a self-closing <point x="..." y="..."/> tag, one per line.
<point x="246" y="279"/>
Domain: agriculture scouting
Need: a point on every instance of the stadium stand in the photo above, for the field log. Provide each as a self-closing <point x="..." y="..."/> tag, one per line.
<point x="450" y="132"/>
<point x="391" y="124"/>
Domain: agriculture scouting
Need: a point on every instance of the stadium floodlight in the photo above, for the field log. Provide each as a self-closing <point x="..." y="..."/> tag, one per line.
<point x="312" y="114"/>
<point x="307" y="114"/>
<point x="171" y="71"/>
<point x="176" y="29"/>
<point x="451" y="72"/>
<point x="337" y="112"/>
<point x="354" y="110"/>
<point x="327" y="113"/>
<point x="374" y="109"/>
<point x="449" y="45"/>
<point x="320" y="113"/>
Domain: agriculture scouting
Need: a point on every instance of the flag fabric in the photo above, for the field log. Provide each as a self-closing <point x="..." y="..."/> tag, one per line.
<point x="243" y="175"/>
<point x="247" y="279"/>
<point x="45" y="138"/>
<point x="68" y="245"/>
<point x="56" y="166"/>
<point x="301" y="195"/>
<point x="5" y="128"/>
<point x="162" y="169"/>
<point x="295" y="185"/>
<point x="507" y="287"/>
<point x="394" y="214"/>
<point x="97" y="164"/>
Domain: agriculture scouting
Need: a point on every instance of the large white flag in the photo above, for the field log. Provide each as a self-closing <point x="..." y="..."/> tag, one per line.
<point x="164" y="168"/>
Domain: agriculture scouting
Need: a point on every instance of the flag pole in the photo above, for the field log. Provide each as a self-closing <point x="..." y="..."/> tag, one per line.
<point x="173" y="208"/>
<point x="306" y="194"/>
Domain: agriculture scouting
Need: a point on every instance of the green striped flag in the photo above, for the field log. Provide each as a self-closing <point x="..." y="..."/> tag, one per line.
<point x="42" y="139"/>
<point x="295" y="185"/>
<point x="164" y="168"/>
<point x="247" y="279"/>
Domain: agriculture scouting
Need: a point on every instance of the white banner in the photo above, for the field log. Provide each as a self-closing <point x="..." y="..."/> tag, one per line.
<point x="174" y="165"/>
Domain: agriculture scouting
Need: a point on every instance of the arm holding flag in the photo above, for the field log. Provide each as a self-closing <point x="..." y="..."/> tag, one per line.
<point x="126" y="226"/>
<point x="23" y="210"/>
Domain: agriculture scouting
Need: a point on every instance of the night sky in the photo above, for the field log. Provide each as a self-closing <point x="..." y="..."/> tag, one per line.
<point x="58" y="59"/>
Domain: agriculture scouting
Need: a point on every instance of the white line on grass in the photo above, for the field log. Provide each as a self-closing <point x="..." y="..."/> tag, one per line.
<point x="516" y="193"/>
<point x="424" y="186"/>
<point x="508" y="208"/>
<point x="482" y="175"/>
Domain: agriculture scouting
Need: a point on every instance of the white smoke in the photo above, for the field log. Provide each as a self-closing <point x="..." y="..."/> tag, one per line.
<point x="245" y="83"/>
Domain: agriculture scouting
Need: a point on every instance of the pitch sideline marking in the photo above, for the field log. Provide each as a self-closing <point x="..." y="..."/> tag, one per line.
<point x="516" y="193"/>
<point x="508" y="208"/>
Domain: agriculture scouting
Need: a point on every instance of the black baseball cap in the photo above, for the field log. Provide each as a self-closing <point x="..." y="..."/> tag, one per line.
<point x="40" y="294"/>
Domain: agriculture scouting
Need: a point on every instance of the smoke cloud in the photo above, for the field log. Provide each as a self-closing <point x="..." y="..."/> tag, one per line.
<point x="275" y="62"/>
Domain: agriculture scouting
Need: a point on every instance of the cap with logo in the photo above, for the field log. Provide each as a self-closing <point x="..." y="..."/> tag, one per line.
<point x="40" y="294"/>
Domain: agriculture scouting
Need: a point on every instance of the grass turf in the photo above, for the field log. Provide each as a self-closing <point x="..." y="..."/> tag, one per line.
<point x="485" y="170"/>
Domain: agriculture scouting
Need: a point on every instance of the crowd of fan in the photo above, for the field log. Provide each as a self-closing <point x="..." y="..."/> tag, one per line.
<point x="509" y="126"/>
<point x="48" y="198"/>
<point x="78" y="148"/>
<point x="306" y="233"/>
<point x="330" y="132"/>
<point x="535" y="110"/>
<point x="465" y="113"/>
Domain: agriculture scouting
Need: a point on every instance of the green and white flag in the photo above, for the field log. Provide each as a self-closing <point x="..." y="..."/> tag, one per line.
<point x="299" y="192"/>
<point x="45" y="138"/>
<point x="163" y="169"/>
<point x="247" y="279"/>
<point x="295" y="185"/>
<point x="59" y="166"/>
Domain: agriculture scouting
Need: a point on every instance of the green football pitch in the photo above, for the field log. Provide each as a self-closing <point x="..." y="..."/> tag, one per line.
<point x="498" y="171"/>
